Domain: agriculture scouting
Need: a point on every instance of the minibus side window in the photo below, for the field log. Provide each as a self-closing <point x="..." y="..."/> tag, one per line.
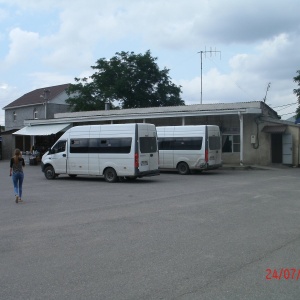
<point x="79" y="146"/>
<point x="164" y="143"/>
<point x="94" y="145"/>
<point x="187" y="143"/>
<point x="115" y="145"/>
<point x="98" y="145"/>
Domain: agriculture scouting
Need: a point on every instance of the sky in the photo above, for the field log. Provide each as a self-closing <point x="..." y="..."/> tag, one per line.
<point x="250" y="48"/>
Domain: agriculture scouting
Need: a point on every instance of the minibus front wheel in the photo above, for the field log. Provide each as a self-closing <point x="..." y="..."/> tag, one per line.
<point x="49" y="173"/>
<point x="183" y="168"/>
<point x="110" y="175"/>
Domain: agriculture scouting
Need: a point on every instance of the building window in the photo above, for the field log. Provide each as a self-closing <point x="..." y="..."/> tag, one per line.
<point x="35" y="114"/>
<point x="14" y="116"/>
<point x="231" y="143"/>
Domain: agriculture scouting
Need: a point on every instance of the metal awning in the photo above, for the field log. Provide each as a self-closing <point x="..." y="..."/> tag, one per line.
<point x="274" y="129"/>
<point x="42" y="129"/>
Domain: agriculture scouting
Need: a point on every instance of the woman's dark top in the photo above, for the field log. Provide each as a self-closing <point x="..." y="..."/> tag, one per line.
<point x="17" y="168"/>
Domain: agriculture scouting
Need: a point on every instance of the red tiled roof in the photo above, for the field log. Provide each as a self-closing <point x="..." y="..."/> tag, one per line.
<point x="34" y="97"/>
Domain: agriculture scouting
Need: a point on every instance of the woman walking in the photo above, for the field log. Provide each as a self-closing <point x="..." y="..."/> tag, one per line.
<point x="16" y="171"/>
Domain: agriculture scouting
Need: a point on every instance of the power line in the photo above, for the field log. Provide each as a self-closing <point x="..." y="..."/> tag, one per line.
<point x="289" y="104"/>
<point x="288" y="114"/>
<point x="285" y="107"/>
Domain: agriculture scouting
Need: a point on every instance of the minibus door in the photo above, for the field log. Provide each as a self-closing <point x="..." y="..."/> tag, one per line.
<point x="148" y="154"/>
<point x="214" y="152"/>
<point x="59" y="157"/>
<point x="153" y="161"/>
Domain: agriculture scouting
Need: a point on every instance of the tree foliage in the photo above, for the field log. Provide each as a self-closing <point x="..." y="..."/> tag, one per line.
<point x="84" y="97"/>
<point x="131" y="80"/>
<point x="297" y="92"/>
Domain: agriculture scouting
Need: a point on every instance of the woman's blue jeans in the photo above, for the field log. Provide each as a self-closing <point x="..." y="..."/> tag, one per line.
<point x="18" y="178"/>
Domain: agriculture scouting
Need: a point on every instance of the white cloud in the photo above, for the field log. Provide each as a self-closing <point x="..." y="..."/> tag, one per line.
<point x="42" y="79"/>
<point x="274" y="61"/>
<point x="275" y="57"/>
<point x="22" y="46"/>
<point x="216" y="88"/>
<point x="29" y="4"/>
<point x="3" y="14"/>
<point x="259" y="40"/>
<point x="8" y="94"/>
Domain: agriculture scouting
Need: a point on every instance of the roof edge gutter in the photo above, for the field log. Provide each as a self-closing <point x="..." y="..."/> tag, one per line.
<point x="134" y="116"/>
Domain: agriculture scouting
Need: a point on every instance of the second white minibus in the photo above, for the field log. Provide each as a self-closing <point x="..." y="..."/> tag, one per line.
<point x="187" y="148"/>
<point x="118" y="150"/>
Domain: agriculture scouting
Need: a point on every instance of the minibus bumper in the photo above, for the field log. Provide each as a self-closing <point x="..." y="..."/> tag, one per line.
<point x="212" y="167"/>
<point x="148" y="173"/>
<point x="206" y="166"/>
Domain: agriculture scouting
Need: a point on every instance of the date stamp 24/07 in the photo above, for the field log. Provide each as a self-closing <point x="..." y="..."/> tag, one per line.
<point x="283" y="273"/>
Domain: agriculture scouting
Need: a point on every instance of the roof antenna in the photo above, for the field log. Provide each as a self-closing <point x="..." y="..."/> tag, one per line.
<point x="211" y="51"/>
<point x="268" y="87"/>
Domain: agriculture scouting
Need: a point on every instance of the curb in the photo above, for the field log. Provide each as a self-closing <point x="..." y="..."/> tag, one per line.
<point x="255" y="167"/>
<point x="244" y="167"/>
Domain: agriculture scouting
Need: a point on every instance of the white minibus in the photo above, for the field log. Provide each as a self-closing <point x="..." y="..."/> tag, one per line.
<point x="118" y="150"/>
<point x="187" y="148"/>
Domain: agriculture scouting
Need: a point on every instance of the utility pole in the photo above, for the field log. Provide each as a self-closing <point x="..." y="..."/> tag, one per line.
<point x="201" y="54"/>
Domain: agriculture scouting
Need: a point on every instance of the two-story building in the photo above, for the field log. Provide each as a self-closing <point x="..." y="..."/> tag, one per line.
<point x="40" y="104"/>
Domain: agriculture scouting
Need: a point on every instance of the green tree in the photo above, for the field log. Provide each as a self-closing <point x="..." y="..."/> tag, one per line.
<point x="131" y="80"/>
<point x="83" y="96"/>
<point x="297" y="92"/>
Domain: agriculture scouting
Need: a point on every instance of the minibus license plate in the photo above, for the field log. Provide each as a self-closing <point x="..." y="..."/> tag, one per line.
<point x="144" y="163"/>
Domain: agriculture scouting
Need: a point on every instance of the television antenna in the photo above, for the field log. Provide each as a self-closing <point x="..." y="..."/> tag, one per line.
<point x="211" y="52"/>
<point x="268" y="87"/>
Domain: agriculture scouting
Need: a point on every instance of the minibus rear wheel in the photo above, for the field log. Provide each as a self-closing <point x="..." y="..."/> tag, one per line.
<point x="49" y="173"/>
<point x="183" y="168"/>
<point x="110" y="175"/>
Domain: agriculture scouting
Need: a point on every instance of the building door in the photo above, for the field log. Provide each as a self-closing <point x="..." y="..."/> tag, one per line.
<point x="287" y="149"/>
<point x="276" y="148"/>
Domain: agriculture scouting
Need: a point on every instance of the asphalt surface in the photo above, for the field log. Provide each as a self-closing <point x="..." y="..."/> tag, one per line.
<point x="204" y="236"/>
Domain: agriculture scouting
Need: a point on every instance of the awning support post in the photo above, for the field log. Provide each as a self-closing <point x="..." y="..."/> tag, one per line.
<point x="241" y="138"/>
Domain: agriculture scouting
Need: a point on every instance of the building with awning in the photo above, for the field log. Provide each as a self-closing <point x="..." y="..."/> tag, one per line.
<point x="252" y="132"/>
<point x="40" y="130"/>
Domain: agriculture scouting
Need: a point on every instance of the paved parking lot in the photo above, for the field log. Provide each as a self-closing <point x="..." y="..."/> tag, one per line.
<point x="204" y="236"/>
